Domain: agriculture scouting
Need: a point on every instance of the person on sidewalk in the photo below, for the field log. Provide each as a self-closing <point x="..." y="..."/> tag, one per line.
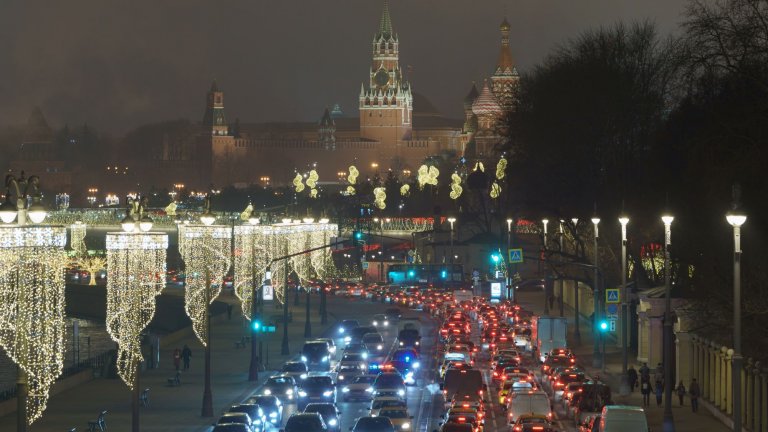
<point x="659" y="376"/>
<point x="186" y="353"/>
<point x="681" y="392"/>
<point x="694" y="391"/>
<point x="645" y="389"/>
<point x="644" y="370"/>
<point x="659" y="389"/>
<point x="632" y="375"/>
<point x="177" y="359"/>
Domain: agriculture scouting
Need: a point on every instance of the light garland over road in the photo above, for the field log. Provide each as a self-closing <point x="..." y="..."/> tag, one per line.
<point x="206" y="252"/>
<point x="252" y="256"/>
<point x="32" y="318"/>
<point x="135" y="276"/>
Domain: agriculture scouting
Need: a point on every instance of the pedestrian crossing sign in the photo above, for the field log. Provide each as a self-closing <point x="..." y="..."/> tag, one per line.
<point x="515" y="256"/>
<point x="612" y="295"/>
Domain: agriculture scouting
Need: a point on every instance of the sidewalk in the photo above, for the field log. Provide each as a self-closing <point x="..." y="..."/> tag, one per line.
<point x="685" y="419"/>
<point x="178" y="408"/>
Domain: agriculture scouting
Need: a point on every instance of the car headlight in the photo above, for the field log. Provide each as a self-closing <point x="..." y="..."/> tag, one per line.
<point x="341" y="330"/>
<point x="267" y="392"/>
<point x="375" y="323"/>
<point x="289" y="392"/>
<point x="379" y="347"/>
<point x="303" y="358"/>
<point x="345" y="390"/>
<point x="386" y="323"/>
<point x="401" y="344"/>
<point x="401" y="392"/>
<point x="328" y="393"/>
<point x="302" y="393"/>
<point x="333" y="422"/>
<point x="340" y="377"/>
<point x="405" y="426"/>
<point x="303" y="376"/>
<point x="362" y="365"/>
<point x="416" y="365"/>
<point x="347" y="339"/>
<point x="365" y="355"/>
<point x="369" y="390"/>
<point x="326" y="359"/>
<point x="417" y="343"/>
<point x="273" y="414"/>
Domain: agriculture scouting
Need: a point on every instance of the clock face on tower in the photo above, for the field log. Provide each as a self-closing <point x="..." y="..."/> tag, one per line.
<point x="381" y="78"/>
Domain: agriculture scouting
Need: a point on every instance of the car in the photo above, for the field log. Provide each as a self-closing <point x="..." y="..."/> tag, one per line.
<point x="316" y="388"/>
<point x="356" y="334"/>
<point x="346" y="372"/>
<point x="360" y="387"/>
<point x="380" y="320"/>
<point x="231" y="427"/>
<point x="356" y="348"/>
<point x="590" y="424"/>
<point x="456" y="427"/>
<point x="296" y="369"/>
<point x="464" y="417"/>
<point x="392" y="314"/>
<point x="282" y="386"/>
<point x="257" y="415"/>
<point x="317" y="355"/>
<point x="373" y="424"/>
<point x="389" y="382"/>
<point x="305" y="422"/>
<point x="380" y="402"/>
<point x="331" y="344"/>
<point x="270" y="405"/>
<point x="238" y="417"/>
<point x="406" y="369"/>
<point x="328" y="412"/>
<point x="346" y="325"/>
<point x="374" y="343"/>
<point x="532" y="423"/>
<point x="399" y="417"/>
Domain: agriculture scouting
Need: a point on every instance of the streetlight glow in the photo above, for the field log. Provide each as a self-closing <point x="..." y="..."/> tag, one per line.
<point x="667" y="219"/>
<point x="736" y="220"/>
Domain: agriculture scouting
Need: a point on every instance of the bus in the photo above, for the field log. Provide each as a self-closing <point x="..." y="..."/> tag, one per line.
<point x="436" y="275"/>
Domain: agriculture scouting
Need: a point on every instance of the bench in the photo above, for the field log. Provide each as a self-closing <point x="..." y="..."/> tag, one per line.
<point x="176" y="380"/>
<point x="144" y="397"/>
<point x="99" y="424"/>
<point x="241" y="343"/>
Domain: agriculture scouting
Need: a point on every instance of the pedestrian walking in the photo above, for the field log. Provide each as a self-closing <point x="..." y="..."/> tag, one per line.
<point x="186" y="353"/>
<point x="659" y="389"/>
<point x="681" y="392"/>
<point x="644" y="370"/>
<point x="694" y="391"/>
<point x="632" y="376"/>
<point x="177" y="358"/>
<point x="645" y="389"/>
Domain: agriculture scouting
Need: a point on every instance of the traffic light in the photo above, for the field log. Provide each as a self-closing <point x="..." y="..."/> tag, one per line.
<point x="443" y="274"/>
<point x="357" y="238"/>
<point x="256" y="324"/>
<point x="495" y="257"/>
<point x="603" y="325"/>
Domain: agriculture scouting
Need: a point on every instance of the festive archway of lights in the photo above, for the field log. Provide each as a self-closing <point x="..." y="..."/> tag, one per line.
<point x="32" y="319"/>
<point x="252" y="257"/>
<point x="135" y="276"/>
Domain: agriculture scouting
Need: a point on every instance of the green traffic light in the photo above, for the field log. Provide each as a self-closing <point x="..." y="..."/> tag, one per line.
<point x="495" y="257"/>
<point x="603" y="326"/>
<point x="256" y="325"/>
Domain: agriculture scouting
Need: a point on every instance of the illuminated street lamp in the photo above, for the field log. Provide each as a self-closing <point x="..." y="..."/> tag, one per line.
<point x="736" y="218"/>
<point x="669" y="424"/>
<point x="624" y="388"/>
<point x="596" y="360"/>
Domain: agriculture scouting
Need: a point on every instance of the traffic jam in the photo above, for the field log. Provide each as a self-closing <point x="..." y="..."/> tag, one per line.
<point x="435" y="361"/>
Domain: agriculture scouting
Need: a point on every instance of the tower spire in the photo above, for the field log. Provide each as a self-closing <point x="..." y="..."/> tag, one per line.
<point x="385" y="24"/>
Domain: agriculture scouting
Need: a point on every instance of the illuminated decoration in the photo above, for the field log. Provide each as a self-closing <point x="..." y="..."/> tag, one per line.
<point x="312" y="179"/>
<point x="495" y="190"/>
<point x="32" y="317"/>
<point x="77" y="233"/>
<point x="456" y="188"/>
<point x="135" y="276"/>
<point x="252" y="257"/>
<point x="479" y="166"/>
<point x="245" y="215"/>
<point x="427" y="175"/>
<point x="205" y="250"/>
<point x="501" y="169"/>
<point x="351" y="190"/>
<point x="380" y="196"/>
<point x="322" y="259"/>
<point x="297" y="183"/>
<point x="170" y="209"/>
<point x="405" y="190"/>
<point x="313" y="193"/>
<point x="353" y="173"/>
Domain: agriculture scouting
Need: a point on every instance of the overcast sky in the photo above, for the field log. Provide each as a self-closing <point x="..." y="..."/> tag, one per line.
<point x="117" y="64"/>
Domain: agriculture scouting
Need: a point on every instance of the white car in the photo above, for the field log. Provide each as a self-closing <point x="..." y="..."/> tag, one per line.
<point x="374" y="343"/>
<point x="346" y="372"/>
<point x="385" y="401"/>
<point x="359" y="387"/>
<point x="380" y="320"/>
<point x="399" y="417"/>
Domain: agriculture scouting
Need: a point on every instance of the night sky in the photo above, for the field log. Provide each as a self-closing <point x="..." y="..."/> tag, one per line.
<point x="117" y="64"/>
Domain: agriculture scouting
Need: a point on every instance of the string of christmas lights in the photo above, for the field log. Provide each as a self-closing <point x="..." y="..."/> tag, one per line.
<point x="77" y="233"/>
<point x="135" y="276"/>
<point x="206" y="252"/>
<point x="32" y="319"/>
<point x="252" y="257"/>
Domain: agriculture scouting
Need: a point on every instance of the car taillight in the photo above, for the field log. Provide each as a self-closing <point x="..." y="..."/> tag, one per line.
<point x="573" y="360"/>
<point x="538" y="428"/>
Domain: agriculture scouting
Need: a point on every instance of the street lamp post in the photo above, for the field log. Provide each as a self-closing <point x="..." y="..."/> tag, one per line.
<point x="546" y="279"/>
<point x="451" y="220"/>
<point x="560" y="281"/>
<point x="669" y="423"/>
<point x="510" y="271"/>
<point x="576" y="314"/>
<point x="596" y="315"/>
<point x="624" y="387"/>
<point x="736" y="218"/>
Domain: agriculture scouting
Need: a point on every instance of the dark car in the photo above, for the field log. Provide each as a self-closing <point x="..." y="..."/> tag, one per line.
<point x="456" y="427"/>
<point x="389" y="382"/>
<point x="347" y="325"/>
<point x="270" y="405"/>
<point x="317" y="355"/>
<point x="282" y="386"/>
<point x="373" y="424"/>
<point x="257" y="415"/>
<point x="238" y="417"/>
<point x="231" y="427"/>
<point x="393" y="314"/>
<point x="356" y="334"/>
<point x="328" y="411"/>
<point x="357" y="348"/>
<point x="318" y="388"/>
<point x="305" y="422"/>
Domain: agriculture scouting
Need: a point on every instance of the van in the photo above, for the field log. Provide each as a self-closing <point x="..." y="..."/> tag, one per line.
<point x="623" y="418"/>
<point x="528" y="403"/>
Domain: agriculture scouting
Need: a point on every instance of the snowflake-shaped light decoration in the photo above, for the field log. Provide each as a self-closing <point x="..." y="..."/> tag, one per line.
<point x="298" y="183"/>
<point x="32" y="319"/>
<point x="380" y="196"/>
<point x="456" y="188"/>
<point x="501" y="169"/>
<point x="405" y="190"/>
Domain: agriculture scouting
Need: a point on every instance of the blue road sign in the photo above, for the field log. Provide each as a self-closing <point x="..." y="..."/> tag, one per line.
<point x="515" y="256"/>
<point x="613" y="308"/>
<point x="612" y="295"/>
